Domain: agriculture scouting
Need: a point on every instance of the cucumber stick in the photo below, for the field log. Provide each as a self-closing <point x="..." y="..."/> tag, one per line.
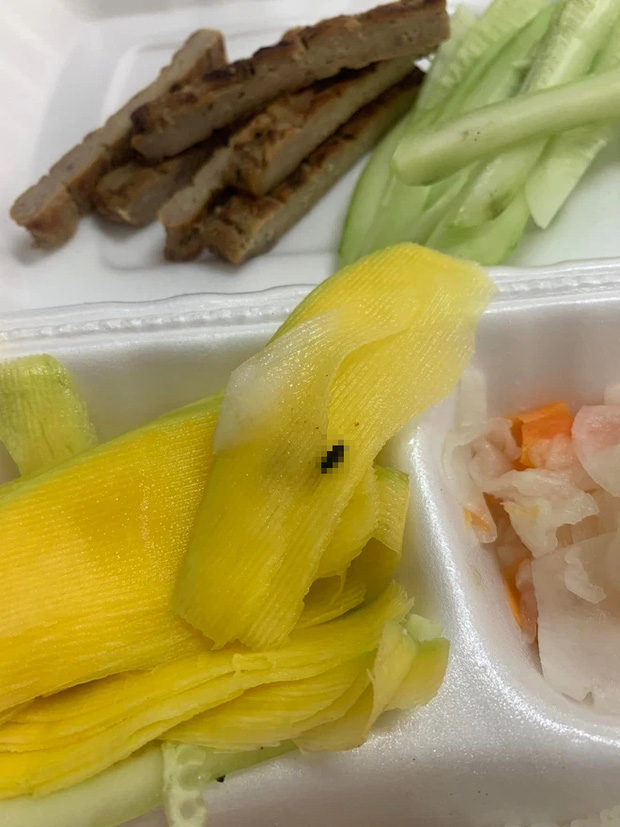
<point x="377" y="183"/>
<point x="576" y="35"/>
<point x="382" y="210"/>
<point x="463" y="77"/>
<point x="489" y="243"/>
<point x="123" y="792"/>
<point x="436" y="212"/>
<point x="500" y="81"/>
<point x="503" y="125"/>
<point x="480" y="46"/>
<point x="367" y="195"/>
<point x="187" y="768"/>
<point x="568" y="156"/>
<point x="434" y="87"/>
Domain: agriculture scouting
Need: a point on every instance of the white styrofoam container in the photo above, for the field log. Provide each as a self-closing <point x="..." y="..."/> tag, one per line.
<point x="497" y="745"/>
<point x="68" y="64"/>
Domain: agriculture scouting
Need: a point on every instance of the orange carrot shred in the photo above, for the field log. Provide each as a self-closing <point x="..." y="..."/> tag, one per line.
<point x="471" y="518"/>
<point x="541" y="424"/>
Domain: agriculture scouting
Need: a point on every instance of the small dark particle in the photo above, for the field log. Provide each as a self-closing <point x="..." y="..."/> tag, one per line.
<point x="221" y="779"/>
<point x="332" y="458"/>
<point x="357" y="424"/>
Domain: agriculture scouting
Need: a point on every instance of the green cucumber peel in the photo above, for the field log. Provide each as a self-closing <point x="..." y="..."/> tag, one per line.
<point x="483" y="42"/>
<point x="372" y="183"/>
<point x="187" y="769"/>
<point x="480" y="69"/>
<point x="514" y="122"/>
<point x="489" y="243"/>
<point x="122" y="792"/>
<point x="568" y="156"/>
<point x="576" y="35"/>
<point x="376" y="180"/>
<point x="378" y="195"/>
<point x="433" y="89"/>
<point x="500" y="81"/>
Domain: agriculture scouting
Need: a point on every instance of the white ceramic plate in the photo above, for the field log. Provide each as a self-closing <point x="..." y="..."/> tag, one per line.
<point x="67" y="64"/>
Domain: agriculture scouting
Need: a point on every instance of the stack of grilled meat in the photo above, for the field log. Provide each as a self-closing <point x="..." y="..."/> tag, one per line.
<point x="228" y="156"/>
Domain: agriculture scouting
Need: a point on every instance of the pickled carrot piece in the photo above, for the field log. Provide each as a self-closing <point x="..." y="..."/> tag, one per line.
<point x="541" y="424"/>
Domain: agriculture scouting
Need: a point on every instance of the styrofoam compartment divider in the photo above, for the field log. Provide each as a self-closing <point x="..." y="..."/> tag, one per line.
<point x="497" y="745"/>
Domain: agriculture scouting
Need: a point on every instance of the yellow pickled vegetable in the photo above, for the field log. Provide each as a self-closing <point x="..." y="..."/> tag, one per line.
<point x="393" y="491"/>
<point x="48" y="751"/>
<point x="336" y="710"/>
<point x="355" y="527"/>
<point x="424" y="678"/>
<point x="378" y="508"/>
<point x="376" y="563"/>
<point x="272" y="713"/>
<point x="374" y="567"/>
<point x="43" y="419"/>
<point x="393" y="662"/>
<point x="120" y="619"/>
<point x="95" y="706"/>
<point x="331" y="597"/>
<point x="370" y="348"/>
<point x="90" y="552"/>
<point x="9" y="714"/>
<point x="267" y="532"/>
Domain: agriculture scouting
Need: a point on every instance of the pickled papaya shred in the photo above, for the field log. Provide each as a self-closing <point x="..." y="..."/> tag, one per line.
<point x="43" y="419"/>
<point x="92" y="548"/>
<point x="273" y="713"/>
<point x="328" y="374"/>
<point x="222" y="576"/>
<point x="109" y="723"/>
<point x="393" y="660"/>
<point x="121" y="620"/>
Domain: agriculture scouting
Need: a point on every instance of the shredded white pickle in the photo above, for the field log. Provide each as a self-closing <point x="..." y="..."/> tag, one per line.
<point x="553" y="515"/>
<point x="576" y="578"/>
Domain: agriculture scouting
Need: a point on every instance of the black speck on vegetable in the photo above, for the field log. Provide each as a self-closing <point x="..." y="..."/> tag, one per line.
<point x="332" y="458"/>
